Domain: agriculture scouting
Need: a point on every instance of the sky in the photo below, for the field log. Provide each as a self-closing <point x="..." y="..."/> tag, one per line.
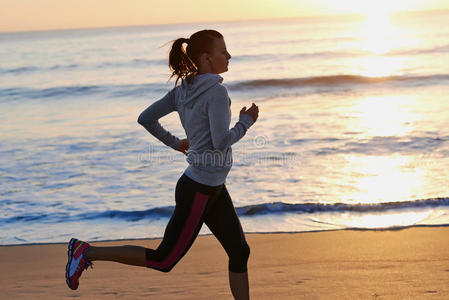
<point x="27" y="15"/>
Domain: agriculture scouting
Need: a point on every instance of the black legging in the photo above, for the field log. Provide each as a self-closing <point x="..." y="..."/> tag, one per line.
<point x="197" y="203"/>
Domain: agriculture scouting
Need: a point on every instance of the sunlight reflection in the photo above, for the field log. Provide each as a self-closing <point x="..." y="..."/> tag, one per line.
<point x="375" y="38"/>
<point x="384" y="220"/>
<point x="380" y="66"/>
<point x="383" y="179"/>
<point x="375" y="32"/>
<point x="383" y="116"/>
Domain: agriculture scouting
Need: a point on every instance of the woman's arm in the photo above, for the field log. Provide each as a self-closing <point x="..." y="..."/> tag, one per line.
<point x="149" y="119"/>
<point x="219" y="119"/>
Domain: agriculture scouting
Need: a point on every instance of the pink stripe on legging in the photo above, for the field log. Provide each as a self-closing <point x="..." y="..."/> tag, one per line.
<point x="199" y="203"/>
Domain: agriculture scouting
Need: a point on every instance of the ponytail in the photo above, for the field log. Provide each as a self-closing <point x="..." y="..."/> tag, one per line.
<point x="184" y="62"/>
<point x="179" y="62"/>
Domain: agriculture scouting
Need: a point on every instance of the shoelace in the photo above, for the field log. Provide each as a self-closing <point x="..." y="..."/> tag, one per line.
<point x="86" y="266"/>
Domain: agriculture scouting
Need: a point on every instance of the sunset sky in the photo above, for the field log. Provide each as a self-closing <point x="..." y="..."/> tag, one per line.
<point x="24" y="15"/>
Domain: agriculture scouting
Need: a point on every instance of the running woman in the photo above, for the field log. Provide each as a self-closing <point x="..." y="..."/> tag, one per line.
<point x="203" y="105"/>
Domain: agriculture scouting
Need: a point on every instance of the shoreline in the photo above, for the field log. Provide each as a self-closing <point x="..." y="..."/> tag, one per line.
<point x="394" y="228"/>
<point x="412" y="263"/>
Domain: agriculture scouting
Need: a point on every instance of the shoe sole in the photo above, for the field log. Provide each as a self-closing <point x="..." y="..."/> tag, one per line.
<point x="69" y="260"/>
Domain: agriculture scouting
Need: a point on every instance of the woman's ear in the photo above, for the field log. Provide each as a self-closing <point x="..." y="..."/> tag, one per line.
<point x="205" y="62"/>
<point x="204" y="59"/>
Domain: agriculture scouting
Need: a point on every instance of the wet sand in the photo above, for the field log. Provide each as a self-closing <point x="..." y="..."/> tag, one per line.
<point x="396" y="264"/>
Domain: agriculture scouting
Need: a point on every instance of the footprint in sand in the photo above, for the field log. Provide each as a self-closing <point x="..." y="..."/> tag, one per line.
<point x="204" y="273"/>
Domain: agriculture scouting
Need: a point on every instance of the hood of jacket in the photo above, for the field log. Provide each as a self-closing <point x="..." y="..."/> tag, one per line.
<point x="200" y="83"/>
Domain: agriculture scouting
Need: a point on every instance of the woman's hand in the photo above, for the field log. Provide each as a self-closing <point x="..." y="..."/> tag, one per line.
<point x="184" y="146"/>
<point x="253" y="111"/>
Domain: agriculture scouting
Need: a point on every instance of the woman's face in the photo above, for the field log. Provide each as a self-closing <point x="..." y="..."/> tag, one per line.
<point x="219" y="58"/>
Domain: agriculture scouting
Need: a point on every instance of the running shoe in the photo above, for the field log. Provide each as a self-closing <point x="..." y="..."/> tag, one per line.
<point x="76" y="263"/>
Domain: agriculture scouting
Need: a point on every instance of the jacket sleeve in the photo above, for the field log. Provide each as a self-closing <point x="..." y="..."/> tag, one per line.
<point x="150" y="116"/>
<point x="219" y="113"/>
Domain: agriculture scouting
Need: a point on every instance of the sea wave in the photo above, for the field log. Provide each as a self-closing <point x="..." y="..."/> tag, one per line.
<point x="144" y="62"/>
<point x="437" y="49"/>
<point x="310" y="84"/>
<point x="337" y="80"/>
<point x="296" y="56"/>
<point x="281" y="207"/>
<point x="62" y="92"/>
<point x="136" y="62"/>
<point x="243" y="211"/>
<point x="147" y="62"/>
<point x="53" y="92"/>
<point x="27" y="69"/>
<point x="384" y="145"/>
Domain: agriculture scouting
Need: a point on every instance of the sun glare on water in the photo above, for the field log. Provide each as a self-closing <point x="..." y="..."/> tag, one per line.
<point x="382" y="119"/>
<point x="376" y="30"/>
<point x="405" y="218"/>
<point x="383" y="178"/>
<point x="384" y="116"/>
<point x="376" y="41"/>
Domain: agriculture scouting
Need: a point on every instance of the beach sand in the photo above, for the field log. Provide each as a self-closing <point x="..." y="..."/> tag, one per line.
<point x="396" y="264"/>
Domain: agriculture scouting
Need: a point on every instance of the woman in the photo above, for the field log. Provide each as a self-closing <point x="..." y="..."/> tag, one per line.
<point x="201" y="195"/>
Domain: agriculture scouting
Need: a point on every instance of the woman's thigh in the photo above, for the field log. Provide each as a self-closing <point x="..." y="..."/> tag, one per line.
<point x="184" y="225"/>
<point x="223" y="221"/>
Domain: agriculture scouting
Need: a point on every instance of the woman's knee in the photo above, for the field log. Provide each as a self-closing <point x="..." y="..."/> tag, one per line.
<point x="156" y="260"/>
<point x="238" y="260"/>
<point x="246" y="251"/>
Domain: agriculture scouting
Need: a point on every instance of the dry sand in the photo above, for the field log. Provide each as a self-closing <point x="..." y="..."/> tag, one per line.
<point x="400" y="264"/>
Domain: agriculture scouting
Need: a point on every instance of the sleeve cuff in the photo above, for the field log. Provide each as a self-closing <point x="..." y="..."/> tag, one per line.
<point x="176" y="144"/>
<point x="246" y="120"/>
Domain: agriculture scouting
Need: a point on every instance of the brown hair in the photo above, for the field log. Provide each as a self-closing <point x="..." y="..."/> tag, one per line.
<point x="183" y="63"/>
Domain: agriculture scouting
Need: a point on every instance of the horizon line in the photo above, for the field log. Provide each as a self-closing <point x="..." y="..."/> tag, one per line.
<point x="222" y="21"/>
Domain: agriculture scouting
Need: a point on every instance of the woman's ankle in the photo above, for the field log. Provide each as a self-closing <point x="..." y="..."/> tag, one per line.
<point x="89" y="253"/>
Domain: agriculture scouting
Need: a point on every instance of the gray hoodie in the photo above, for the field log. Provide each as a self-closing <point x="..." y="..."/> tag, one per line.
<point x="204" y="109"/>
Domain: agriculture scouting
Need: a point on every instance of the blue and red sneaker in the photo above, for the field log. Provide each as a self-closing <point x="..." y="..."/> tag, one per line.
<point x="76" y="263"/>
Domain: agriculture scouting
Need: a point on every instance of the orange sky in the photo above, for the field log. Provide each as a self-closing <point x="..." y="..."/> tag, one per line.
<point x="23" y="15"/>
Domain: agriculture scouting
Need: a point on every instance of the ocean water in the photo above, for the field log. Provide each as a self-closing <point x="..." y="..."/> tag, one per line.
<point x="353" y="130"/>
